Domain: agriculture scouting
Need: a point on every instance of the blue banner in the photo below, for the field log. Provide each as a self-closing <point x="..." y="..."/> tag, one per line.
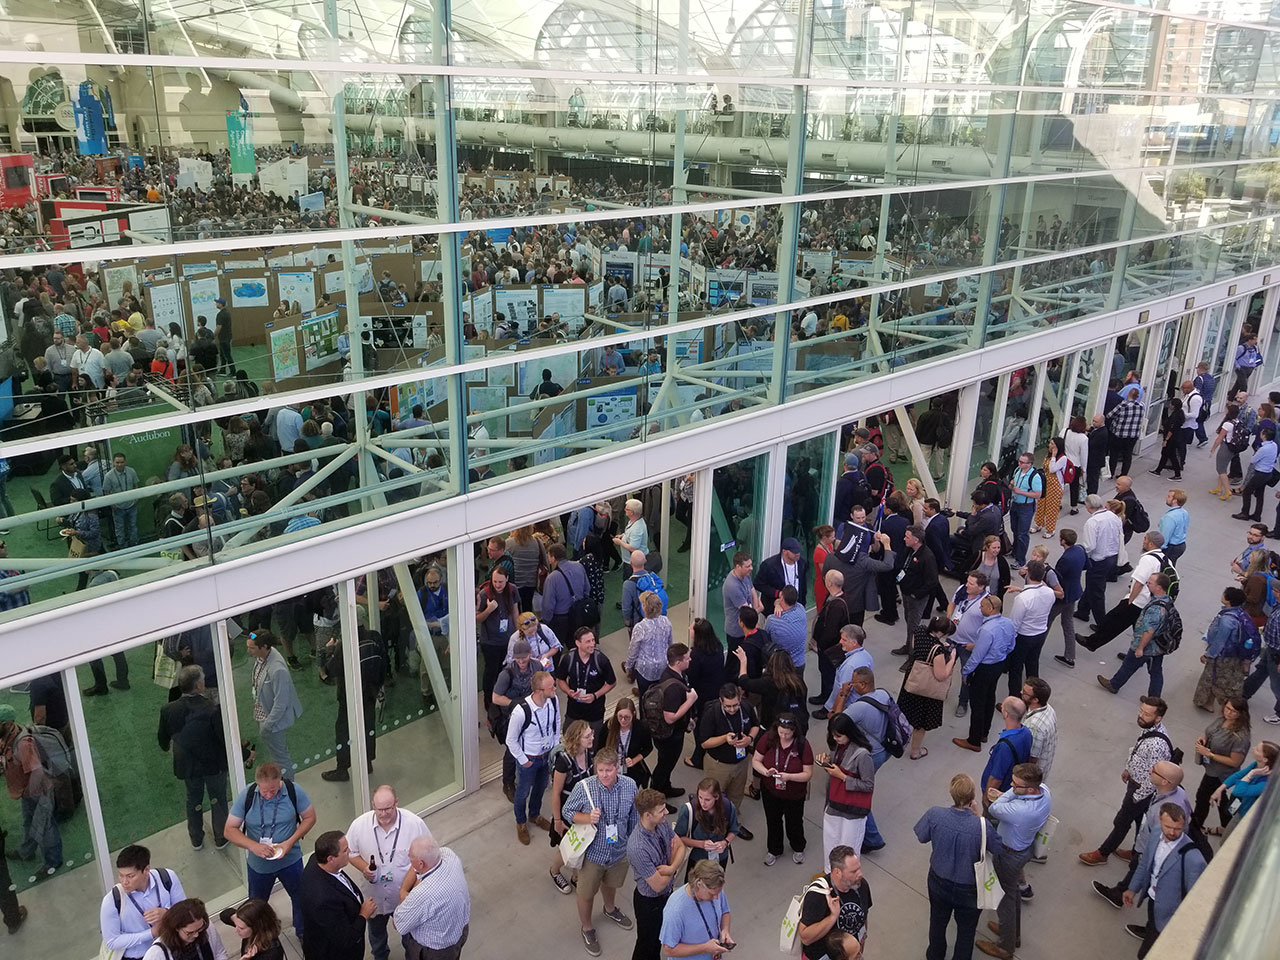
<point x="91" y="126"/>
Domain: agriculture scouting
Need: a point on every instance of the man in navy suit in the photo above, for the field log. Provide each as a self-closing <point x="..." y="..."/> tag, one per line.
<point x="1167" y="872"/>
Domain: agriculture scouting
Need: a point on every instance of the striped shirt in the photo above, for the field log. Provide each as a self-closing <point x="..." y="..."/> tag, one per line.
<point x="438" y="908"/>
<point x="618" y="817"/>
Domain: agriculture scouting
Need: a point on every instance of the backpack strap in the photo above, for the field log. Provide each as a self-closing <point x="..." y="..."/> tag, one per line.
<point x="117" y="898"/>
<point x="293" y="798"/>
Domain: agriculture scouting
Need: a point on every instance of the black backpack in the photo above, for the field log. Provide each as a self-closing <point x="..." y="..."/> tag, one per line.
<point x="1169" y="637"/>
<point x="289" y="788"/>
<point x="1170" y="571"/>
<point x="651" y="710"/>
<point x="583" y="611"/>
<point x="166" y="881"/>
<point x="1175" y="753"/>
<point x="1136" y="514"/>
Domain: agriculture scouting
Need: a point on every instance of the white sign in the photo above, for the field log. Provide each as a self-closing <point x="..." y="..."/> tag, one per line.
<point x="202" y="292"/>
<point x="568" y="301"/>
<point x="166" y="307"/>
<point x="300" y="287"/>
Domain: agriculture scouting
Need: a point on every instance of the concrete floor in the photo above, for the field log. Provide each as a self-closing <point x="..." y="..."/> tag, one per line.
<point x="1066" y="918"/>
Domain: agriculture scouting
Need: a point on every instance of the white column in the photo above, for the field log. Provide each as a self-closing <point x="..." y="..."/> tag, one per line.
<point x="88" y="780"/>
<point x="354" y="685"/>
<point x="464" y="644"/>
<point x="700" y="546"/>
<point x="230" y="709"/>
<point x="962" y="441"/>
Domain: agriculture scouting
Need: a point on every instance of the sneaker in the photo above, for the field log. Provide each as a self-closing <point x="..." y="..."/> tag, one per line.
<point x="591" y="942"/>
<point x="1042" y="859"/>
<point x="620" y="918"/>
<point x="1274" y="718"/>
<point x="1066" y="662"/>
<point x="561" y="883"/>
<point x="1025" y="893"/>
<point x="1108" y="894"/>
<point x="962" y="710"/>
<point x="294" y="663"/>
<point x="1136" y="930"/>
<point x="198" y="846"/>
<point x="798" y="857"/>
<point x="220" y="843"/>
<point x="770" y="859"/>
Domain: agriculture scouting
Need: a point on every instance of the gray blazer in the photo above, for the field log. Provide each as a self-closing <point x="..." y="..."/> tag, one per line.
<point x="277" y="694"/>
<point x="1178" y="872"/>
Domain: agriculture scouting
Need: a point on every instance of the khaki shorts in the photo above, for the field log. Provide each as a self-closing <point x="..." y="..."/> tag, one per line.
<point x="591" y="876"/>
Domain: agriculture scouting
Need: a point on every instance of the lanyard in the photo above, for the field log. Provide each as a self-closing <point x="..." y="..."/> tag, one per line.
<point x="274" y="813"/>
<point x="624" y="741"/>
<point x="728" y="723"/>
<point x="395" y="840"/>
<point x="777" y="754"/>
<point x="582" y="672"/>
<point x="698" y="903"/>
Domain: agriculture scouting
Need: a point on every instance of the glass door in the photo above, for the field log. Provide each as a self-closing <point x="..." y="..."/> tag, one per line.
<point x="1158" y="376"/>
<point x="810" y="475"/>
<point x="737" y="508"/>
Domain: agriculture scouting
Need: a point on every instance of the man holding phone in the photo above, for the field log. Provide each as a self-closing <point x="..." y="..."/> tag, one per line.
<point x="695" y="921"/>
<point x="844" y="907"/>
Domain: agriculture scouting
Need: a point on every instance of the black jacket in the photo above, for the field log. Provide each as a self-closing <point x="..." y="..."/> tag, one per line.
<point x="192" y="727"/>
<point x="770" y="580"/>
<point x="1099" y="442"/>
<point x="332" y="926"/>
<point x="937" y="537"/>
<point x="919" y="574"/>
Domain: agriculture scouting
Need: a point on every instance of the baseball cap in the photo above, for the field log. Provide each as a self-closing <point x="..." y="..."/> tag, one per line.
<point x="220" y="302"/>
<point x="852" y="459"/>
<point x="792" y="544"/>
<point x="7" y="713"/>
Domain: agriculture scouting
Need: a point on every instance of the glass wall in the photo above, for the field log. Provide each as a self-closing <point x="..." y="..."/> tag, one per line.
<point x="737" y="507"/>
<point x="810" y="477"/>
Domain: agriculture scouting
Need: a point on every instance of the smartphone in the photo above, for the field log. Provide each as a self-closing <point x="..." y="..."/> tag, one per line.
<point x="727" y="946"/>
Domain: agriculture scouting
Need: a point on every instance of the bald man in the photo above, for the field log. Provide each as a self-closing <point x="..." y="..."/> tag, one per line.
<point x="379" y="842"/>
<point x="435" y="908"/>
<point x="1166" y="777"/>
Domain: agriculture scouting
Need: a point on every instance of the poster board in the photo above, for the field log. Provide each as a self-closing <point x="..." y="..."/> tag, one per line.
<point x="567" y="300"/>
<point x="249" y="292"/>
<point x="201" y="292"/>
<point x="114" y="280"/>
<point x="618" y="407"/>
<point x="320" y="339"/>
<point x="284" y="353"/>
<point x="518" y="303"/>
<point x="298" y="288"/>
<point x="166" y="307"/>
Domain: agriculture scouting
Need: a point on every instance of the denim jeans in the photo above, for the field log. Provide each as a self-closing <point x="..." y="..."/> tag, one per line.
<point x="290" y="878"/>
<point x="378" y="944"/>
<point x="40" y="830"/>
<point x="1020" y="517"/>
<point x="1268" y="668"/>
<point x="531" y="784"/>
<point x="872" y="837"/>
<point x="946" y="898"/>
<point x="1155" y="668"/>
<point x="124" y="521"/>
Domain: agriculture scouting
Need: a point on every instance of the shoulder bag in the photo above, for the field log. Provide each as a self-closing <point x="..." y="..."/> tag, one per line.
<point x="576" y="839"/>
<point x="921" y="680"/>
<point x="990" y="893"/>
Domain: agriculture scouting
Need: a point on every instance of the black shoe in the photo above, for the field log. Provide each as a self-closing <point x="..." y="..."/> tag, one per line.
<point x="120" y="684"/>
<point x="1083" y="618"/>
<point x="1086" y="642"/>
<point x="1241" y="516"/>
<point x="1127" y="568"/>
<point x="1064" y="661"/>
<point x="881" y="618"/>
<point x="509" y="791"/>
<point x="336" y="776"/>
<point x="817" y="700"/>
<point x="219" y="843"/>
<point x="820" y="714"/>
<point x="1136" y="930"/>
<point x="1108" y="894"/>
<point x="22" y="918"/>
<point x="901" y="651"/>
<point x="872" y="847"/>
<point x="674" y="791"/>
<point x="294" y="663"/>
<point x="744" y="833"/>
<point x="1176" y="476"/>
<point x="1120" y="655"/>
<point x="1154" y="472"/>
<point x="95" y="691"/>
<point x="683" y="548"/>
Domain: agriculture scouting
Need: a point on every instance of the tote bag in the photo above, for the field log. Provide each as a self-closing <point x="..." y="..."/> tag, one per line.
<point x="164" y="672"/>
<point x="1040" y="846"/>
<point x="923" y="683"/>
<point x="990" y="893"/>
<point x="789" y="936"/>
<point x="574" y="843"/>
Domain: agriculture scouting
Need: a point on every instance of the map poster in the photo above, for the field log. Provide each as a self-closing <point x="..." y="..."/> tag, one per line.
<point x="284" y="353"/>
<point x="249" y="292"/>
<point x="203" y="292"/>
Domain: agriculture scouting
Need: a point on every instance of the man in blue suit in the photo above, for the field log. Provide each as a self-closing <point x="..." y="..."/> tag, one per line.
<point x="1168" y="869"/>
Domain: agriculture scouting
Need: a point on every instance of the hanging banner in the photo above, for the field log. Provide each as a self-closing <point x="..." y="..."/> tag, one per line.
<point x="92" y="111"/>
<point x="166" y="307"/>
<point x="240" y="143"/>
<point x="284" y="353"/>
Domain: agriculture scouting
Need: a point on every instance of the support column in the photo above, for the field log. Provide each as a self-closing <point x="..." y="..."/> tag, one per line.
<point x="230" y="709"/>
<point x="357" y="722"/>
<point x="700" y="546"/>
<point x="464" y="646"/>
<point x="88" y="780"/>
<point x="962" y="443"/>
<point x="770" y="512"/>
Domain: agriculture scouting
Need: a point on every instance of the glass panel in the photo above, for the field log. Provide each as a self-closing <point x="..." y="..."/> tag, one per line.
<point x="172" y="684"/>
<point x="811" y="470"/>
<point x="410" y="697"/>
<point x="47" y="828"/>
<point x="984" y="434"/>
<point x="737" y="502"/>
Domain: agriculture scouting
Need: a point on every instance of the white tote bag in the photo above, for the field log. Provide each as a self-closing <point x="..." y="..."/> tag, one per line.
<point x="1040" y="846"/>
<point x="789" y="937"/>
<point x="990" y="892"/>
<point x="574" y="843"/>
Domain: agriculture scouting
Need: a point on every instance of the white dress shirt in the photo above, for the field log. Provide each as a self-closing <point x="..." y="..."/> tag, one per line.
<point x="1103" y="535"/>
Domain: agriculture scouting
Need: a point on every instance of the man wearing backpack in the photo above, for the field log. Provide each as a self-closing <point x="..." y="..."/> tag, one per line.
<point x="533" y="731"/>
<point x="192" y="727"/>
<point x="1152" y="634"/>
<point x="1166" y="884"/>
<point x="566" y="593"/>
<point x="137" y="903"/>
<point x="1125" y="613"/>
<point x="1027" y="484"/>
<point x="867" y="706"/>
<point x="267" y="820"/>
<point x="30" y="781"/>
<point x="665" y="708"/>
<point x="1203" y="384"/>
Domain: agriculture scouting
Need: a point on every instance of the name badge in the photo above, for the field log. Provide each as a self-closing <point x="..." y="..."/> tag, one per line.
<point x="504" y="624"/>
<point x="384" y="877"/>
<point x="740" y="752"/>
<point x="266" y="841"/>
<point x="610" y="833"/>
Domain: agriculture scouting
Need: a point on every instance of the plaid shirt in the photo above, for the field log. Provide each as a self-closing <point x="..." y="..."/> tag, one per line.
<point x="1125" y="420"/>
<point x="1271" y="632"/>
<point x="12" y="599"/>
<point x="1043" y="724"/>
<point x="66" y="323"/>
<point x="617" y="809"/>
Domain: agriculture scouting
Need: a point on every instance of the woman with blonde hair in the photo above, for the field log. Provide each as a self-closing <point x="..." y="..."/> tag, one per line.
<point x="914" y="490"/>
<point x="572" y="763"/>
<point x="650" y="638"/>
